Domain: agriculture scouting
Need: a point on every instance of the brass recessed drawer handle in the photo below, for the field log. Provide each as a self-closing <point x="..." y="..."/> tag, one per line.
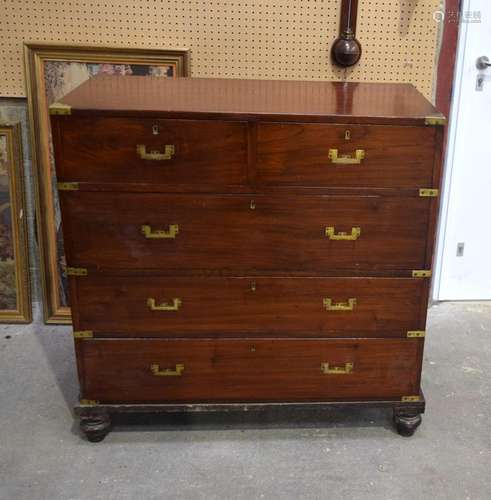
<point x="338" y="159"/>
<point x="159" y="234"/>
<point x="169" y="151"/>
<point x="167" y="372"/>
<point x="339" y="306"/>
<point x="174" y="306"/>
<point x="332" y="235"/>
<point x="328" y="369"/>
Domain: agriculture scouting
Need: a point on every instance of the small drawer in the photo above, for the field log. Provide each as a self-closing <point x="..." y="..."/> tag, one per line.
<point x="142" y="150"/>
<point x="244" y="234"/>
<point x="156" y="306"/>
<point x="140" y="371"/>
<point x="374" y="156"/>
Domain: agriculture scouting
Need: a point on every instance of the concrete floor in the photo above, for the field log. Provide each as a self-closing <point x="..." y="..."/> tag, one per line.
<point x="355" y="456"/>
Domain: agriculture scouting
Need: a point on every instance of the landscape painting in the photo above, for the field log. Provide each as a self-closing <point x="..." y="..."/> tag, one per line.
<point x="15" y="303"/>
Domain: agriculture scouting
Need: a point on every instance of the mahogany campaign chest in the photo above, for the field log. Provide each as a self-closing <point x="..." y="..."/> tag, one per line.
<point x="240" y="244"/>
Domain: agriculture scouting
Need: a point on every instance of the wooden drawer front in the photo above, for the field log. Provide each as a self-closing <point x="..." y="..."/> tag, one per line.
<point x="200" y="307"/>
<point x="248" y="370"/>
<point x="223" y="232"/>
<point x="298" y="154"/>
<point x="105" y="150"/>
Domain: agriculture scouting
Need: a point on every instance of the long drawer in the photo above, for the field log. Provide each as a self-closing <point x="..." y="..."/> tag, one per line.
<point x="243" y="306"/>
<point x="244" y="233"/>
<point x="141" y="150"/>
<point x="345" y="155"/>
<point x="248" y="370"/>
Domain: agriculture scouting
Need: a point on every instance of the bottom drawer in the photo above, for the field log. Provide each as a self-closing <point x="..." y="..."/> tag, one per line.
<point x="138" y="371"/>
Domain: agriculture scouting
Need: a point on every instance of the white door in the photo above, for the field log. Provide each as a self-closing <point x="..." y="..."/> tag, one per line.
<point x="463" y="258"/>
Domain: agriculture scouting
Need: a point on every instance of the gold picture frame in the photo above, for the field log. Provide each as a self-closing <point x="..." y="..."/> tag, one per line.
<point x="15" y="292"/>
<point x="51" y="71"/>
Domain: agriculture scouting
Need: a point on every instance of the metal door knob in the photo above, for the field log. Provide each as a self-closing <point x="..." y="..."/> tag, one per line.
<point x="483" y="62"/>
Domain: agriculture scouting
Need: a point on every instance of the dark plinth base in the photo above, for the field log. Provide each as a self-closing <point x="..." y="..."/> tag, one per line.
<point x="406" y="421"/>
<point x="95" y="425"/>
<point x="95" y="421"/>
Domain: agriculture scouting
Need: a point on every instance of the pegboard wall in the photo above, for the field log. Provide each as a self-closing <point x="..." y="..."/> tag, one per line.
<point x="277" y="39"/>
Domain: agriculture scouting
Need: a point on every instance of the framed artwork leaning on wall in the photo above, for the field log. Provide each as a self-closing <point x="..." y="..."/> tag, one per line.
<point x="52" y="71"/>
<point x="15" y="296"/>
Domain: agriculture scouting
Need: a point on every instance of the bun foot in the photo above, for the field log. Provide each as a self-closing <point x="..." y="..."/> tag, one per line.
<point x="406" y="424"/>
<point x="95" y="427"/>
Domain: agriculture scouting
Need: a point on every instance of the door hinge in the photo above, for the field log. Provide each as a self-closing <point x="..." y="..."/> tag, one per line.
<point x="416" y="334"/>
<point x="88" y="402"/>
<point x="435" y="120"/>
<point x="83" y="334"/>
<point x="421" y="274"/>
<point x="57" y="108"/>
<point x="67" y="186"/>
<point x="76" y="271"/>
<point x="428" y="193"/>
<point x="410" y="399"/>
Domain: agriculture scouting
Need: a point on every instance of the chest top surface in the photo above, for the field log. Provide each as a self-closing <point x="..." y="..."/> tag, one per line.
<point x="335" y="102"/>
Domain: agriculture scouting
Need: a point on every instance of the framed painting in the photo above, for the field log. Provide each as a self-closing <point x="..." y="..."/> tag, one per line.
<point x="52" y="71"/>
<point x="15" y="296"/>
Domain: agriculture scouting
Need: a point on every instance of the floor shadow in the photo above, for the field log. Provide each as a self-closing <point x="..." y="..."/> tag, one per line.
<point x="176" y="426"/>
<point x="56" y="342"/>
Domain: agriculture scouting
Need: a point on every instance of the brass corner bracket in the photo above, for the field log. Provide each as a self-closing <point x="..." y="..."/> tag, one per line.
<point x="67" y="186"/>
<point x="428" y="193"/>
<point x="88" y="402"/>
<point x="83" y="334"/>
<point x="416" y="334"/>
<point x="57" y="108"/>
<point x="421" y="273"/>
<point x="410" y="399"/>
<point x="435" y="120"/>
<point x="76" y="271"/>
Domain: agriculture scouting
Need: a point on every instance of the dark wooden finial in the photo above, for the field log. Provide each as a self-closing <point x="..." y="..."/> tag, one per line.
<point x="346" y="50"/>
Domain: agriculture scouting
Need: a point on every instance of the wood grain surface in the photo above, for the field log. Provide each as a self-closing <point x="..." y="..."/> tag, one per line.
<point x="245" y="306"/>
<point x="298" y="154"/>
<point x="248" y="370"/>
<point x="105" y="150"/>
<point x="252" y="189"/>
<point x="341" y="102"/>
<point x="223" y="232"/>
